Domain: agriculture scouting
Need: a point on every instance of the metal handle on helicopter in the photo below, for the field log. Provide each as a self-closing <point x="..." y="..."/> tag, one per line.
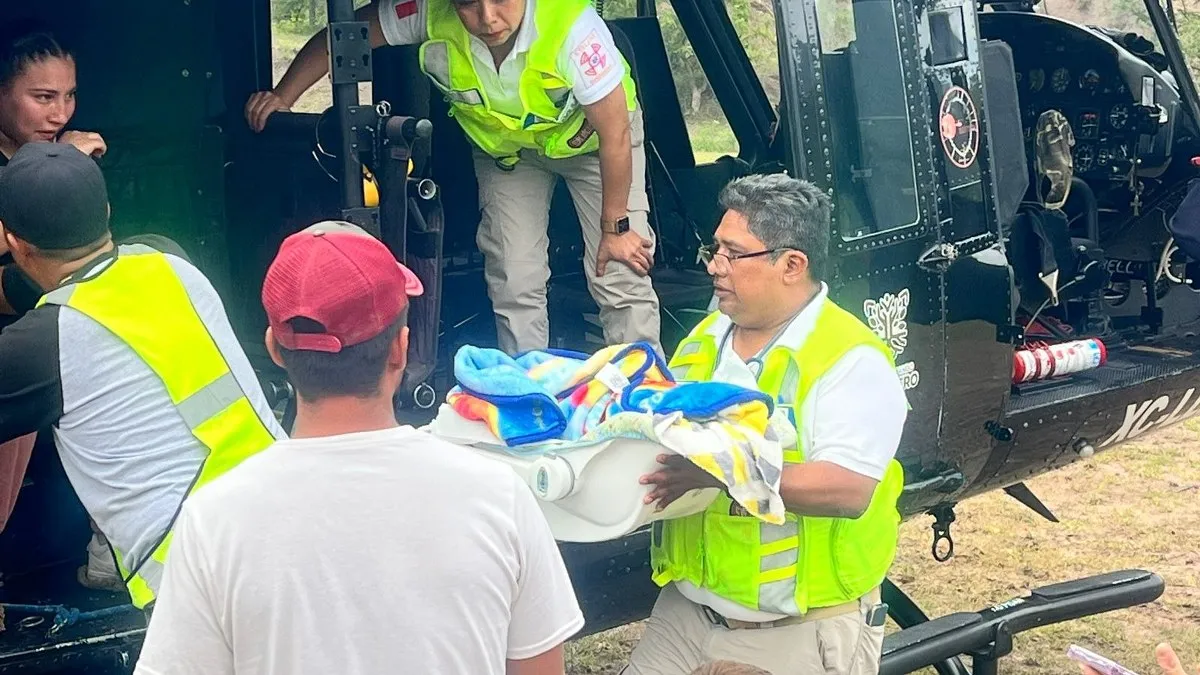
<point x="408" y="129"/>
<point x="286" y="124"/>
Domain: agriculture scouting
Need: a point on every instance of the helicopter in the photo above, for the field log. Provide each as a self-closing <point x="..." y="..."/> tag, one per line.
<point x="1003" y="178"/>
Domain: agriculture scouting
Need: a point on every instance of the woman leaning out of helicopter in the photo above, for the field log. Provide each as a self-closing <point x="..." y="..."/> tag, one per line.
<point x="37" y="99"/>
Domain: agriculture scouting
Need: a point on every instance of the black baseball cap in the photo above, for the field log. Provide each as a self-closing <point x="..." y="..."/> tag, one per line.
<point x="53" y="196"/>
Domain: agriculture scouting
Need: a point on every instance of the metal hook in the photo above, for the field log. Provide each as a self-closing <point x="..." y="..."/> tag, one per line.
<point x="943" y="516"/>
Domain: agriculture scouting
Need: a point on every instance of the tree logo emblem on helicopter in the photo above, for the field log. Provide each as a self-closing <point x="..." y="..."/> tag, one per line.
<point x="958" y="121"/>
<point x="888" y="317"/>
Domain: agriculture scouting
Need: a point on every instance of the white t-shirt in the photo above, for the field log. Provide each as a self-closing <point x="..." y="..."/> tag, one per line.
<point x="589" y="58"/>
<point x="364" y="554"/>
<point x="852" y="417"/>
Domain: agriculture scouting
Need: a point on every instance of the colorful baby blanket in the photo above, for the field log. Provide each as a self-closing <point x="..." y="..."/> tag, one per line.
<point x="625" y="391"/>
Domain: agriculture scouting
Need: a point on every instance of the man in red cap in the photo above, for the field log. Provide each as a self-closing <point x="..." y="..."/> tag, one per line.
<point x="357" y="545"/>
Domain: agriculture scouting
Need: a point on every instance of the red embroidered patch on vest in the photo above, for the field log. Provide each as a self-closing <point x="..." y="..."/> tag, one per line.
<point x="405" y="8"/>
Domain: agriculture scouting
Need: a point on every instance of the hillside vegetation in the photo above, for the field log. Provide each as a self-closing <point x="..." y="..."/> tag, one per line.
<point x="293" y="21"/>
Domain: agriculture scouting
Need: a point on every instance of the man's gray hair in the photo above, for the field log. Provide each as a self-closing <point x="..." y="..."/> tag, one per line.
<point x="784" y="212"/>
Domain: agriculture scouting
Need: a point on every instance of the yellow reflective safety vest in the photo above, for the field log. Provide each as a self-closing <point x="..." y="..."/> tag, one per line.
<point x="807" y="562"/>
<point x="141" y="300"/>
<point x="552" y="124"/>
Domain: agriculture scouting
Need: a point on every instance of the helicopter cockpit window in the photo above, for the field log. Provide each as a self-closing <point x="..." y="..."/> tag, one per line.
<point x="1128" y="22"/>
<point x="947" y="36"/>
<point x="875" y="180"/>
<point x="755" y="25"/>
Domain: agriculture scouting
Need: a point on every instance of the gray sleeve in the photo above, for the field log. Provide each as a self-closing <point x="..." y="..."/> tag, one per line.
<point x="159" y="243"/>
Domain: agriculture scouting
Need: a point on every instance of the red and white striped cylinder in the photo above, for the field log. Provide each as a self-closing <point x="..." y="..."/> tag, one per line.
<point x="1045" y="361"/>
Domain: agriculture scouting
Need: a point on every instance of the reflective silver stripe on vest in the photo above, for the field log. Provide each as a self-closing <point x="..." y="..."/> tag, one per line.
<point x="568" y="107"/>
<point x="151" y="572"/>
<point x="789" y="384"/>
<point x="778" y="560"/>
<point x="136" y="249"/>
<point x="467" y="97"/>
<point x="60" y="296"/>
<point x="679" y="372"/>
<point x="788" y="388"/>
<point x="210" y="400"/>
<point x="435" y="61"/>
<point x="769" y="534"/>
<point x="779" y="596"/>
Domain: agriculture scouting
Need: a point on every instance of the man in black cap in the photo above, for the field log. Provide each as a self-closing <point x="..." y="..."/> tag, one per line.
<point x="128" y="357"/>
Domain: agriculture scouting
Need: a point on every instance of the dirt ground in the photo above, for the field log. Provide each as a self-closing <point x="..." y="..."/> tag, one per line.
<point x="1135" y="507"/>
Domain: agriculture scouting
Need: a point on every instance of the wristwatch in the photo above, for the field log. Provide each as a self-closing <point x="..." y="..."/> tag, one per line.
<point x="621" y="226"/>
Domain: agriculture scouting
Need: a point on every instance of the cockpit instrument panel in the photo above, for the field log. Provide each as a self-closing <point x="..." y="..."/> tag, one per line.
<point x="1082" y="74"/>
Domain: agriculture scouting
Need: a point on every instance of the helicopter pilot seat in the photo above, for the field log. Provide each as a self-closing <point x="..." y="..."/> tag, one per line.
<point x="582" y="430"/>
<point x="1051" y="266"/>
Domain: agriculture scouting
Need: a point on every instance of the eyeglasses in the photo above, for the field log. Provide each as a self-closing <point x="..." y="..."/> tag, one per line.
<point x="708" y="254"/>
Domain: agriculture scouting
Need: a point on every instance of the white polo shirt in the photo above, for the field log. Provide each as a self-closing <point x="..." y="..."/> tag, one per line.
<point x="589" y="59"/>
<point x="852" y="417"/>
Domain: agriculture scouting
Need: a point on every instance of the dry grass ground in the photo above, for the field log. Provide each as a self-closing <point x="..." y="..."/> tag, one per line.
<point x="1135" y="507"/>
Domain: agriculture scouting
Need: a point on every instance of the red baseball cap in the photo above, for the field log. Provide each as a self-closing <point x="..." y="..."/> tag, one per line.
<point x="338" y="275"/>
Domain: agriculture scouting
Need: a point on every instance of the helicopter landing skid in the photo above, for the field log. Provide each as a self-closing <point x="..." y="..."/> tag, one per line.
<point x="986" y="636"/>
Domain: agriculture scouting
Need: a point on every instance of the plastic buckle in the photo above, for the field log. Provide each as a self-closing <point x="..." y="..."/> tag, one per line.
<point x="713" y="617"/>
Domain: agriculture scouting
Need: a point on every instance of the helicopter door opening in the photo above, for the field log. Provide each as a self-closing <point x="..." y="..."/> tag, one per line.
<point x="857" y="121"/>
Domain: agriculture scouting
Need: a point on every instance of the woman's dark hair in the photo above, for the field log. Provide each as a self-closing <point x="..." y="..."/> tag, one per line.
<point x="24" y="42"/>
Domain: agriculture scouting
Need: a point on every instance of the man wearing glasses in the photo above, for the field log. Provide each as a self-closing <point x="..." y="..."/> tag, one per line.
<point x="801" y="597"/>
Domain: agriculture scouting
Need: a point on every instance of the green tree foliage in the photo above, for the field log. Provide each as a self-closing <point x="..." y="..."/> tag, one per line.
<point x="301" y="16"/>
<point x="1187" y="17"/>
<point x="754" y="21"/>
<point x="1131" y="15"/>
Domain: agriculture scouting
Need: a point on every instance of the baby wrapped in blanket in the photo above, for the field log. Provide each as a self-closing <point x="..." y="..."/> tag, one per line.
<point x="626" y="391"/>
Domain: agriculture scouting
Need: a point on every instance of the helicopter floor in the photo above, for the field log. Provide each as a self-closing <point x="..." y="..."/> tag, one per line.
<point x="1126" y="367"/>
<point x="85" y="631"/>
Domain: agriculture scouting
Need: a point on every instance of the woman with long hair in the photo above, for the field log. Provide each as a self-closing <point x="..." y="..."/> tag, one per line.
<point x="37" y="91"/>
<point x="37" y="100"/>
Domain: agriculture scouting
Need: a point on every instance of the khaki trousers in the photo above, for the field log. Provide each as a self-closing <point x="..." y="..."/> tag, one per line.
<point x="514" y="241"/>
<point x="679" y="638"/>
